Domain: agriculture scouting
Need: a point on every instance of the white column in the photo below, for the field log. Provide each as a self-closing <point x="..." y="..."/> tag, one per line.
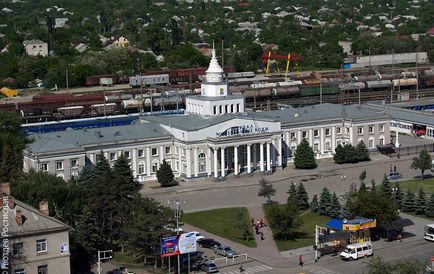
<point x="222" y="161"/>
<point x="134" y="162"/>
<point x="333" y="139"/>
<point x="161" y="155"/>
<point x="322" y="141"/>
<point x="106" y="155"/>
<point x="148" y="160"/>
<point x="208" y="162"/>
<point x="288" y="145"/>
<point x="92" y="158"/>
<point x="188" y="161"/>
<point x="351" y="136"/>
<point x="119" y="153"/>
<point x="196" y="162"/>
<point x="279" y="152"/>
<point x="396" y="138"/>
<point x="236" y="160"/>
<point x="261" y="156"/>
<point x="216" y="172"/>
<point x="249" y="167"/>
<point x="273" y="153"/>
<point x="255" y="160"/>
<point x="311" y="137"/>
<point x="268" y="157"/>
<point x="299" y="137"/>
<point x="180" y="160"/>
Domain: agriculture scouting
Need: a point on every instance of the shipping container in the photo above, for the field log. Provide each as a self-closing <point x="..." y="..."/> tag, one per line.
<point x="103" y="109"/>
<point x="71" y="112"/>
<point x="106" y="81"/>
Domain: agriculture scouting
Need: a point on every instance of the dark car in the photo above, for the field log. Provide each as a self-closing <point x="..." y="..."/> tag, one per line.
<point x="194" y="256"/>
<point x="208" y="243"/>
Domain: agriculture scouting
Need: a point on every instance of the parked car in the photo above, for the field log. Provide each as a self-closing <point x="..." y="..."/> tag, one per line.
<point x="209" y="267"/>
<point x="356" y="251"/>
<point x="198" y="235"/>
<point x="225" y="251"/>
<point x="194" y="256"/>
<point x="394" y="176"/>
<point x="208" y="243"/>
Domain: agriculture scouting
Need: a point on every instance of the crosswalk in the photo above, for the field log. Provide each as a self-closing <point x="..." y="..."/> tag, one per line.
<point x="249" y="270"/>
<point x="318" y="270"/>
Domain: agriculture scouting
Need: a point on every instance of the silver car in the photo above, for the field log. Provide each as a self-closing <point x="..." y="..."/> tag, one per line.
<point x="394" y="176"/>
<point x="209" y="267"/>
<point x="225" y="251"/>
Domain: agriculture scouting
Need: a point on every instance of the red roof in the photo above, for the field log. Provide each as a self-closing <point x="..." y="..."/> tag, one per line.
<point x="430" y="32"/>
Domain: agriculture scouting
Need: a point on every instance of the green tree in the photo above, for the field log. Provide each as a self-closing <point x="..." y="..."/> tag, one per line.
<point x="314" y="206"/>
<point x="335" y="208"/>
<point x="12" y="143"/>
<point x="429" y="210"/>
<point x="304" y="156"/>
<point x="325" y="202"/>
<point x="420" y="201"/>
<point x="377" y="265"/>
<point x="397" y="195"/>
<point x="350" y="154"/>
<point x="409" y="203"/>
<point x="423" y="162"/>
<point x="292" y="194"/>
<point x="362" y="152"/>
<point x="373" y="186"/>
<point x="165" y="174"/>
<point x="362" y="177"/>
<point x="86" y="175"/>
<point x="339" y="156"/>
<point x="243" y="225"/>
<point x="385" y="188"/>
<point x="267" y="190"/>
<point x="284" y="220"/>
<point x="302" y="197"/>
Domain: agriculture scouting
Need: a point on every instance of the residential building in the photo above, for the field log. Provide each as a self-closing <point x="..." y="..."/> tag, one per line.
<point x="36" y="47"/>
<point x="121" y="42"/>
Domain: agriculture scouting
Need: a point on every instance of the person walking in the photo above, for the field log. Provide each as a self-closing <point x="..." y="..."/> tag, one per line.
<point x="261" y="223"/>
<point x="242" y="268"/>
<point x="262" y="236"/>
<point x="300" y="260"/>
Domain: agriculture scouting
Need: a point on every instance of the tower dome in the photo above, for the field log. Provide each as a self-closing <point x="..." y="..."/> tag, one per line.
<point x="214" y="73"/>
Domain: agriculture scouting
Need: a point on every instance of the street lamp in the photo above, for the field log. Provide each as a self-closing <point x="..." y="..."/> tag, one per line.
<point x="343" y="178"/>
<point x="394" y="191"/>
<point x="177" y="210"/>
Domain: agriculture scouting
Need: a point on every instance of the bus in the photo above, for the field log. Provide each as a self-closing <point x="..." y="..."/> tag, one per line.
<point x="429" y="232"/>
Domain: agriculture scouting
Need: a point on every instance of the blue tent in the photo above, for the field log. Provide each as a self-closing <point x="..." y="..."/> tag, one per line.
<point x="335" y="224"/>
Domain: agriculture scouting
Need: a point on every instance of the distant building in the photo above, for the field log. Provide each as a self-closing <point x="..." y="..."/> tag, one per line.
<point x="430" y="32"/>
<point x="37" y="243"/>
<point x="81" y="47"/>
<point x="121" y="42"/>
<point x="346" y="46"/>
<point x="60" y="22"/>
<point x="36" y="47"/>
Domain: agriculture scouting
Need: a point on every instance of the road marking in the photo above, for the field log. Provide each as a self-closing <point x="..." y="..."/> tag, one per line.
<point x="250" y="270"/>
<point x="319" y="270"/>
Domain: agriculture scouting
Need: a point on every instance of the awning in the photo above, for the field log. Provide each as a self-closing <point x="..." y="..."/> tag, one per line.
<point x="398" y="224"/>
<point x="333" y="236"/>
<point x="335" y="224"/>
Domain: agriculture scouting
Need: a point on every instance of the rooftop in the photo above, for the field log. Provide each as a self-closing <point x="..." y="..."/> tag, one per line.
<point x="405" y="115"/>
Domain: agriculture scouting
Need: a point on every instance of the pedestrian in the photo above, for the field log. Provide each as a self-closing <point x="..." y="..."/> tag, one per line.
<point x="262" y="236"/>
<point x="261" y="223"/>
<point x="242" y="268"/>
<point x="300" y="260"/>
<point x="399" y="238"/>
<point x="258" y="222"/>
<point x="257" y="229"/>
<point x="394" y="168"/>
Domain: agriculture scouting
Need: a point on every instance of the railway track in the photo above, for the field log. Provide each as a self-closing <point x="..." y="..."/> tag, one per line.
<point x="337" y="99"/>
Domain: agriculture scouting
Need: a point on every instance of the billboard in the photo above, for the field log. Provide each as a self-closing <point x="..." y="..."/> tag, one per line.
<point x="176" y="245"/>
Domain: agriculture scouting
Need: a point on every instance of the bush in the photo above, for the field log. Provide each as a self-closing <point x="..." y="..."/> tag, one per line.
<point x="351" y="154"/>
<point x="165" y="175"/>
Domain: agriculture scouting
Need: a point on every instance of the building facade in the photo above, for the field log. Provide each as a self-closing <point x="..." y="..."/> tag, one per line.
<point x="36" y="242"/>
<point x="36" y="47"/>
<point x="216" y="138"/>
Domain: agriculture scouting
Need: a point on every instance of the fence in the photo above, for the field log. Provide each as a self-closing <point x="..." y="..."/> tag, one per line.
<point x="410" y="150"/>
<point x="231" y="259"/>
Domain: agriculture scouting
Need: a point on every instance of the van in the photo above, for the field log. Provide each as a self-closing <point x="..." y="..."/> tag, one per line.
<point x="429" y="232"/>
<point x="356" y="251"/>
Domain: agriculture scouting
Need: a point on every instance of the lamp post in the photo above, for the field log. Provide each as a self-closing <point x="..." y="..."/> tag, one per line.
<point x="394" y="191"/>
<point x="177" y="210"/>
<point x="343" y="178"/>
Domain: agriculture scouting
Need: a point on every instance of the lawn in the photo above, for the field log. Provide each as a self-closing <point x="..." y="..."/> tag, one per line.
<point x="413" y="185"/>
<point x="221" y="222"/>
<point x="305" y="233"/>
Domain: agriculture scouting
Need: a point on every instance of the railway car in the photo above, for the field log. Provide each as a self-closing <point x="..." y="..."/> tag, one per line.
<point x="427" y="80"/>
<point x="244" y="74"/>
<point x="95" y="80"/>
<point x="316" y="90"/>
<point x="161" y="102"/>
<point x="354" y="86"/>
<point x="71" y="112"/>
<point x="283" y="92"/>
<point x="114" y="97"/>
<point x="411" y="82"/>
<point x="130" y="105"/>
<point x="263" y="85"/>
<point x="408" y="74"/>
<point x="366" y="78"/>
<point x="103" y="109"/>
<point x="10" y="107"/>
<point x="257" y="93"/>
<point x="378" y="84"/>
<point x="147" y="80"/>
<point x="290" y="83"/>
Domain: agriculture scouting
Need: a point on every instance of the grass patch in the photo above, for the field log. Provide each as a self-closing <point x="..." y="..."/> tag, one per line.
<point x="413" y="185"/>
<point x="305" y="234"/>
<point x="221" y="222"/>
<point x="420" y="216"/>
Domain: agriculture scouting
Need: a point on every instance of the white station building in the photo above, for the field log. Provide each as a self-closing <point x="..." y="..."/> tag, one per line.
<point x="216" y="137"/>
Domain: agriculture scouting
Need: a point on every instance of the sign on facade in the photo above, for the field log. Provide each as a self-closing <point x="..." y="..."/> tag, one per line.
<point x="241" y="130"/>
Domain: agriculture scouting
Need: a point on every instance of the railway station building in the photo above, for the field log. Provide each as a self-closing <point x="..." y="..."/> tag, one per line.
<point x="215" y="138"/>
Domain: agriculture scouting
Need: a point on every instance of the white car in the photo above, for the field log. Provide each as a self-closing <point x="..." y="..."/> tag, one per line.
<point x="198" y="235"/>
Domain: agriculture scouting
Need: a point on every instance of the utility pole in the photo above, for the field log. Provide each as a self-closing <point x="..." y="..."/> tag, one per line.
<point x="67" y="80"/>
<point x="177" y="210"/>
<point x="369" y="52"/>
<point x="392" y="90"/>
<point x="103" y="255"/>
<point x="417" y="74"/>
<point x="320" y="90"/>
<point x="141" y="98"/>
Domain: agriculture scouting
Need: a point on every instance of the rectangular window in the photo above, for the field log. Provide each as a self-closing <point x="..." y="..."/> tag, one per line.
<point x="74" y="163"/>
<point x="141" y="169"/>
<point x="141" y="153"/>
<point x="347" y="130"/>
<point x="202" y="167"/>
<point x="371" y="129"/>
<point x="177" y="165"/>
<point x="168" y="150"/>
<point x="112" y="156"/>
<point x="44" y="167"/>
<point x="41" y="245"/>
<point x="371" y="143"/>
<point x="327" y="132"/>
<point x="304" y="134"/>
<point x="43" y="269"/>
<point x="338" y="130"/>
<point x="381" y="142"/>
<point x="360" y="130"/>
<point x="59" y="165"/>
<point x="293" y="136"/>
<point x="381" y="128"/>
<point x="154" y="152"/>
<point x="154" y="167"/>
<point x="18" y="248"/>
<point x="316" y="133"/>
<point x="328" y="146"/>
<point x="127" y="154"/>
<point x="316" y="147"/>
<point x="183" y="151"/>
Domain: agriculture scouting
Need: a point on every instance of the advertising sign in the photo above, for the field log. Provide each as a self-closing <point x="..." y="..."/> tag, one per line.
<point x="169" y="246"/>
<point x="187" y="243"/>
